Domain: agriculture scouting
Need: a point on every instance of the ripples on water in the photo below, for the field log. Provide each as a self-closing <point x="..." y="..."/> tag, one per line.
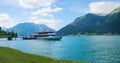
<point x="92" y="49"/>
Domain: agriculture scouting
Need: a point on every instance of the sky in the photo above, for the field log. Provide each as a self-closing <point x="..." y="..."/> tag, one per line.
<point x="53" y="13"/>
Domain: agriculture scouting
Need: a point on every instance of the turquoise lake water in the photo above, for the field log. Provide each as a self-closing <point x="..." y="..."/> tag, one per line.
<point x="90" y="49"/>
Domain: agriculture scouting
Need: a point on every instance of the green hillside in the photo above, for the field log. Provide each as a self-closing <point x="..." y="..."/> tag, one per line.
<point x="94" y="24"/>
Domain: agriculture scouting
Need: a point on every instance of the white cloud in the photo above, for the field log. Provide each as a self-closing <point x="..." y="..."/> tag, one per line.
<point x="36" y="3"/>
<point x="49" y="22"/>
<point x="6" y="21"/>
<point x="42" y="11"/>
<point x="46" y="11"/>
<point x="44" y="16"/>
<point x="103" y="7"/>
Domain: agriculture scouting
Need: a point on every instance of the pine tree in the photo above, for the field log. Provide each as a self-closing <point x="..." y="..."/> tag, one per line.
<point x="0" y="29"/>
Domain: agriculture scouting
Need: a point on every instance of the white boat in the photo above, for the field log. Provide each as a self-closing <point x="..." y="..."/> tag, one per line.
<point x="48" y="35"/>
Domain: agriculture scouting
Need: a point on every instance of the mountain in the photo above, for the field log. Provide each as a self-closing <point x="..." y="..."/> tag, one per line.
<point x="113" y="21"/>
<point x="85" y="24"/>
<point x="3" y="28"/>
<point x="117" y="10"/>
<point x="94" y="24"/>
<point x="26" y="29"/>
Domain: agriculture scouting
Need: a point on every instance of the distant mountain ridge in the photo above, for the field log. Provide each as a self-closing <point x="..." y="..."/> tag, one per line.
<point x="94" y="24"/>
<point x="26" y="29"/>
<point x="3" y="28"/>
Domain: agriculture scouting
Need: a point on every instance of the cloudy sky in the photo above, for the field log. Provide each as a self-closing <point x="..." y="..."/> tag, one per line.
<point x="53" y="13"/>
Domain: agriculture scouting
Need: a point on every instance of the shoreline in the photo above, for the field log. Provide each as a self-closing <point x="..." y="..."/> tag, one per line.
<point x="76" y="35"/>
<point x="93" y="35"/>
<point x="10" y="55"/>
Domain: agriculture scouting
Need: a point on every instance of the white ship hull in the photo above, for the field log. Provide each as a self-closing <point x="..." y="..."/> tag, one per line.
<point x="50" y="38"/>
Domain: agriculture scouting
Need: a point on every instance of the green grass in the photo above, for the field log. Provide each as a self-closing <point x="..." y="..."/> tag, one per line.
<point x="8" y="55"/>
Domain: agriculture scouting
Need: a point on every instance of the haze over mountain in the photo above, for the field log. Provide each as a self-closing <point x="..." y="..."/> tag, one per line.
<point x="94" y="24"/>
<point x="3" y="28"/>
<point x="26" y="29"/>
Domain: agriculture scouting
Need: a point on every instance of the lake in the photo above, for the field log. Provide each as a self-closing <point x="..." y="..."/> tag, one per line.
<point x="90" y="49"/>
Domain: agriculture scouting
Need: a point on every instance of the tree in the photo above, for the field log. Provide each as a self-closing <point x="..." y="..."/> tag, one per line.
<point x="12" y="33"/>
<point x="15" y="35"/>
<point x="0" y="29"/>
<point x="2" y="33"/>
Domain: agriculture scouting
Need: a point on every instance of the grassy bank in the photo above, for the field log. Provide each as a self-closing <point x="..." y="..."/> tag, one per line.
<point x="8" y="55"/>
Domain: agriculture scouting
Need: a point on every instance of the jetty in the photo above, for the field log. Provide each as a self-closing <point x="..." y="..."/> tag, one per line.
<point x="29" y="38"/>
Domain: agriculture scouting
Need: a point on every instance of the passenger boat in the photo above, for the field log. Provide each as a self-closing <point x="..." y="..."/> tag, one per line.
<point x="48" y="35"/>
